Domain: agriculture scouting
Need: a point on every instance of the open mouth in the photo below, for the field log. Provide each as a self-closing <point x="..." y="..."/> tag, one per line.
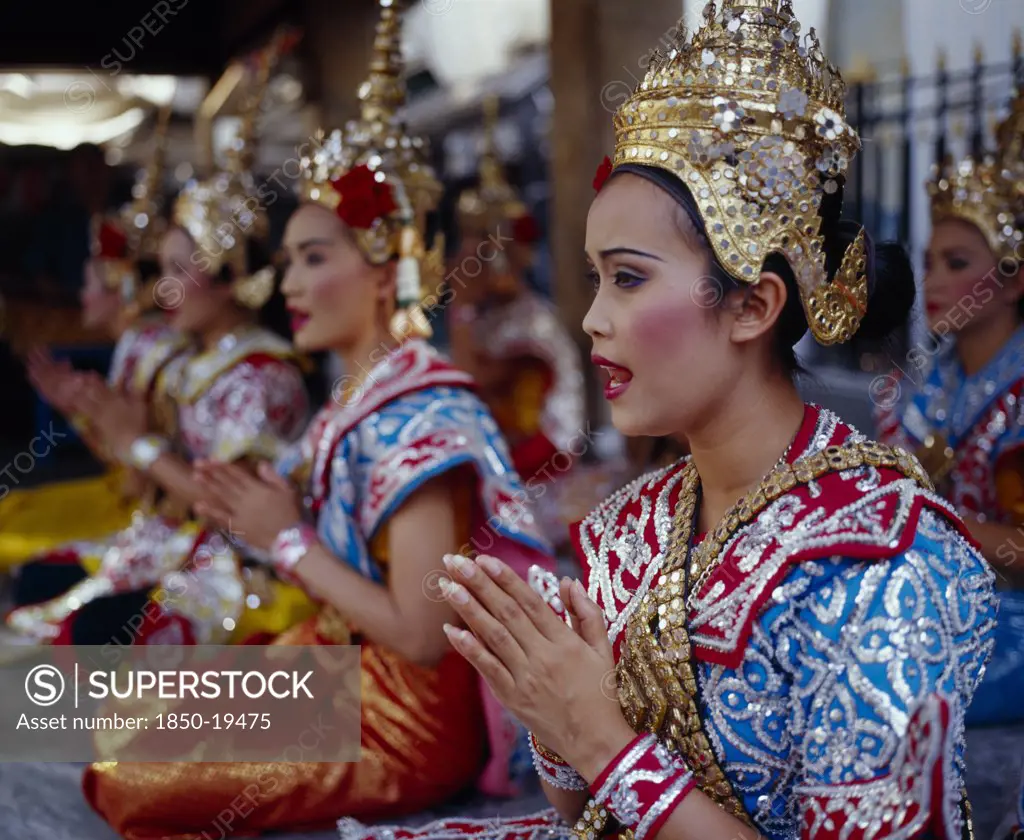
<point x="618" y="377"/>
<point x="298" y="320"/>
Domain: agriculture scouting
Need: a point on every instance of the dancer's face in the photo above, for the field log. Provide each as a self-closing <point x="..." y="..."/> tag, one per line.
<point x="193" y="299"/>
<point x="667" y="356"/>
<point x="335" y="297"/>
<point x="965" y="286"/>
<point x="100" y="304"/>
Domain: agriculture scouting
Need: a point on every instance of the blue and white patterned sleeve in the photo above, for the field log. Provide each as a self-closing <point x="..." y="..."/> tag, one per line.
<point x="883" y="659"/>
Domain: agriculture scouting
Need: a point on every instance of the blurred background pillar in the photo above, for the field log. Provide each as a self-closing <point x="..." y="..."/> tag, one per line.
<point x="597" y="59"/>
<point x="335" y="50"/>
<point x="339" y="42"/>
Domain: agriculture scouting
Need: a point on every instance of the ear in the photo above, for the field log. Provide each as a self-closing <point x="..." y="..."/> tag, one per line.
<point x="1013" y="285"/>
<point x="759" y="309"/>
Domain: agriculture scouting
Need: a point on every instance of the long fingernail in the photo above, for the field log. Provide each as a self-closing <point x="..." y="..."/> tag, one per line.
<point x="460" y="564"/>
<point x="489" y="565"/>
<point x="454" y="633"/>
<point x="457" y="593"/>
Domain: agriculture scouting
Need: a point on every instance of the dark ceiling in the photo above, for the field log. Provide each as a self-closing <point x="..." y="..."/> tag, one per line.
<point x="180" y="37"/>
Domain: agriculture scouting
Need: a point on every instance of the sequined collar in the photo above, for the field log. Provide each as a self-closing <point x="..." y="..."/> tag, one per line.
<point x="415" y="365"/>
<point x="232" y="349"/>
<point x="838" y="494"/>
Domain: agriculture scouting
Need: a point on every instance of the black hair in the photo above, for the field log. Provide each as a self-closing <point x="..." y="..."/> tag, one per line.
<point x="891" y="288"/>
<point x="149" y="270"/>
<point x="1018" y="265"/>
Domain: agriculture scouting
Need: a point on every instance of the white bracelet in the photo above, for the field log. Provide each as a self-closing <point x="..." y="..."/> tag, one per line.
<point x="290" y="546"/>
<point x="554" y="770"/>
<point x="145" y="451"/>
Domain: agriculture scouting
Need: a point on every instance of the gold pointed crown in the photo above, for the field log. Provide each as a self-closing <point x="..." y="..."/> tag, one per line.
<point x="378" y="178"/>
<point x="141" y="217"/>
<point x="493" y="200"/>
<point x="222" y="213"/>
<point x="988" y="192"/>
<point x="750" y="116"/>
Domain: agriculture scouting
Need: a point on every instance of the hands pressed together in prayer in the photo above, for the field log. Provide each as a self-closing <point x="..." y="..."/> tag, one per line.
<point x="255" y="506"/>
<point x="554" y="678"/>
<point x="117" y="419"/>
<point x="55" y="381"/>
<point x="114" y="420"/>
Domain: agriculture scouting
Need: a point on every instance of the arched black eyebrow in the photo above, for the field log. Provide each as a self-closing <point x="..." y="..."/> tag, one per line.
<point x="611" y="252"/>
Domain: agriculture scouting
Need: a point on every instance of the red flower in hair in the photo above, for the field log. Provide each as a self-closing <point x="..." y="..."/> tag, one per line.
<point x="525" y="229"/>
<point x="364" y="199"/>
<point x="603" y="171"/>
<point x="113" y="244"/>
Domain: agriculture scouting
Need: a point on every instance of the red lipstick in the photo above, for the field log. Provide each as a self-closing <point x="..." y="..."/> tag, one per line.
<point x="619" y="377"/>
<point x="298" y="319"/>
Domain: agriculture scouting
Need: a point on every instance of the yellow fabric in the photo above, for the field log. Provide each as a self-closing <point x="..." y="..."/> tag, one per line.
<point x="43" y="518"/>
<point x="517" y="410"/>
<point x="423" y="739"/>
<point x="280" y="609"/>
<point x="1009" y="479"/>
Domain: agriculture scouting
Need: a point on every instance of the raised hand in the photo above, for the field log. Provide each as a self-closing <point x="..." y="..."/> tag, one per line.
<point x="554" y="679"/>
<point x="51" y="379"/>
<point x="118" y="420"/>
<point x="255" y="507"/>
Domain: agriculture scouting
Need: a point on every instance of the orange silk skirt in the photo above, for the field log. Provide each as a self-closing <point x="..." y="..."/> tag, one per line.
<point x="423" y="740"/>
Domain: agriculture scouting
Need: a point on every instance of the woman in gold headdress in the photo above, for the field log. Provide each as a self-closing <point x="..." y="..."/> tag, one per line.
<point x="779" y="635"/>
<point x="403" y="465"/>
<point x="508" y="337"/>
<point x="114" y="299"/>
<point x="240" y="395"/>
<point x="958" y="402"/>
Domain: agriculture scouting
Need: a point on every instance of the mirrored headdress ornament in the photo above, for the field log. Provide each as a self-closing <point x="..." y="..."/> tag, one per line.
<point x="141" y="217"/>
<point x="377" y="179"/>
<point x="750" y="116"/>
<point x="493" y="203"/>
<point x="493" y="208"/>
<point x="222" y="213"/>
<point x="119" y="241"/>
<point x="988" y="191"/>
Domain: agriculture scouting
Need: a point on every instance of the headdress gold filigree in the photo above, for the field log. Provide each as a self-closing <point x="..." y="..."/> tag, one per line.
<point x="493" y="201"/>
<point x="119" y="242"/>
<point x="223" y="213"/>
<point x="988" y="192"/>
<point x="751" y="118"/>
<point x="494" y="207"/>
<point x="141" y="217"/>
<point x="379" y="142"/>
<point x="112" y="258"/>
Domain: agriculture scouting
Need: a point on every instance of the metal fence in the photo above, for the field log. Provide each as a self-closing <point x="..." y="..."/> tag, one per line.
<point x="908" y="123"/>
